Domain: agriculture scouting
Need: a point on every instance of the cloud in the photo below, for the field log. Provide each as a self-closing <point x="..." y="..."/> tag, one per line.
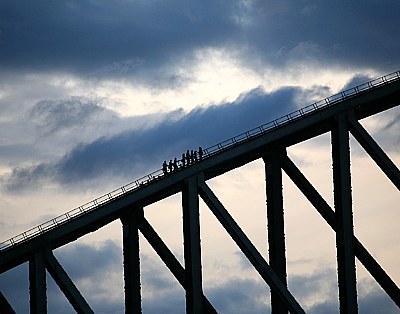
<point x="237" y="295"/>
<point x="58" y="115"/>
<point x="119" y="37"/>
<point x="89" y="142"/>
<point x="136" y="152"/>
<point x="340" y="34"/>
<point x="47" y="129"/>
<point x="149" y="42"/>
<point x="315" y="289"/>
<point x="130" y="147"/>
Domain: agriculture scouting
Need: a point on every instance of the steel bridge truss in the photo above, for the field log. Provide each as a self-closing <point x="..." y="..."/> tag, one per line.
<point x="340" y="121"/>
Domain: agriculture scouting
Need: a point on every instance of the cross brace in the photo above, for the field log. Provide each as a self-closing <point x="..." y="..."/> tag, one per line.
<point x="328" y="214"/>
<point x="5" y="307"/>
<point x="266" y="272"/>
<point x="374" y="150"/>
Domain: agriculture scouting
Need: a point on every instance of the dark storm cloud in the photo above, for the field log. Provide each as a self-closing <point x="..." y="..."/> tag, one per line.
<point x="117" y="36"/>
<point x="146" y="39"/>
<point x="341" y="33"/>
<point x="134" y="153"/>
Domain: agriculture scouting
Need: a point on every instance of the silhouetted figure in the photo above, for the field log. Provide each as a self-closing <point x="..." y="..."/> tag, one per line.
<point x="192" y="156"/>
<point x="183" y="160"/>
<point x="175" y="164"/>
<point x="200" y="153"/>
<point x="188" y="157"/>
<point x="195" y="156"/>
<point x="164" y="167"/>
<point x="170" y="166"/>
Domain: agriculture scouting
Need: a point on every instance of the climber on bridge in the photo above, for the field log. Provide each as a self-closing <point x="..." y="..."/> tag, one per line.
<point x="188" y="159"/>
<point x="200" y="153"/>
<point x="183" y="160"/>
<point x="165" y="168"/>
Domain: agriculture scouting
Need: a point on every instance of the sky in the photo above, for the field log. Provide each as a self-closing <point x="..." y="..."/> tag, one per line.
<point x="95" y="94"/>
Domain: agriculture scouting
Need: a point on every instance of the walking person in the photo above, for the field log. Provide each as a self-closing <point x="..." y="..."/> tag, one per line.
<point x="188" y="157"/>
<point x="165" y="168"/>
<point x="200" y="153"/>
<point x="183" y="160"/>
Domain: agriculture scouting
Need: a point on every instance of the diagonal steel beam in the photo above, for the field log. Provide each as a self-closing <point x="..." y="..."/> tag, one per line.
<point x="65" y="284"/>
<point x="5" y="307"/>
<point x="248" y="248"/>
<point x="169" y="259"/>
<point x="375" y="151"/>
<point x="328" y="214"/>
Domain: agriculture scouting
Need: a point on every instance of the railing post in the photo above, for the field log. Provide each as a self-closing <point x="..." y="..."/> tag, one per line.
<point x="130" y="224"/>
<point x="344" y="215"/>
<point x="37" y="283"/>
<point x="275" y="223"/>
<point x="192" y="251"/>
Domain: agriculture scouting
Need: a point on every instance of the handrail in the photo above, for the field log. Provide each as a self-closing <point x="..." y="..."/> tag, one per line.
<point x="208" y="152"/>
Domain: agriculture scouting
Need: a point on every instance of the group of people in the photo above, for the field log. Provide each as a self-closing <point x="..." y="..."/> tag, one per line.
<point x="188" y="158"/>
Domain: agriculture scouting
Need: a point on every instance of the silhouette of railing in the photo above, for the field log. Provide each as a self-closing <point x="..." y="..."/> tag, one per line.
<point x="208" y="152"/>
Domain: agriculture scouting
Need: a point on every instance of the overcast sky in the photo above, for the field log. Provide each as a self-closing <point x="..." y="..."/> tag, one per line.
<point x="95" y="94"/>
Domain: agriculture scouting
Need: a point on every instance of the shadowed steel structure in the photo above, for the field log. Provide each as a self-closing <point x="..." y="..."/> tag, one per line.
<point x="338" y="114"/>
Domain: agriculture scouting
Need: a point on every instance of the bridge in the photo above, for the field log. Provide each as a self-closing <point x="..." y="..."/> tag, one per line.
<point x="338" y="115"/>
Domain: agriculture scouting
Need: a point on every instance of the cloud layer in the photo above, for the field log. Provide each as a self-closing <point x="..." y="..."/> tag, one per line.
<point x="98" y="276"/>
<point x="144" y="40"/>
<point x="136" y="152"/>
<point x="131" y="147"/>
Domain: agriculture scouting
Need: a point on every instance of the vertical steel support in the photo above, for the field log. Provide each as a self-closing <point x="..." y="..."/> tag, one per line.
<point x="192" y="251"/>
<point x="169" y="260"/>
<point x="275" y="223"/>
<point x="344" y="215"/>
<point x="130" y="231"/>
<point x="37" y="283"/>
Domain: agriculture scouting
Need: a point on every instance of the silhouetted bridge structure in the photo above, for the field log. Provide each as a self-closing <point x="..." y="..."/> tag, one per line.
<point x="338" y="114"/>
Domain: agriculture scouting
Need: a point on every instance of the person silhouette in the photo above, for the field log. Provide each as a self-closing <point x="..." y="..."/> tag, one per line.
<point x="183" y="160"/>
<point x="164" y="168"/>
<point x="188" y="157"/>
<point x="200" y="153"/>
